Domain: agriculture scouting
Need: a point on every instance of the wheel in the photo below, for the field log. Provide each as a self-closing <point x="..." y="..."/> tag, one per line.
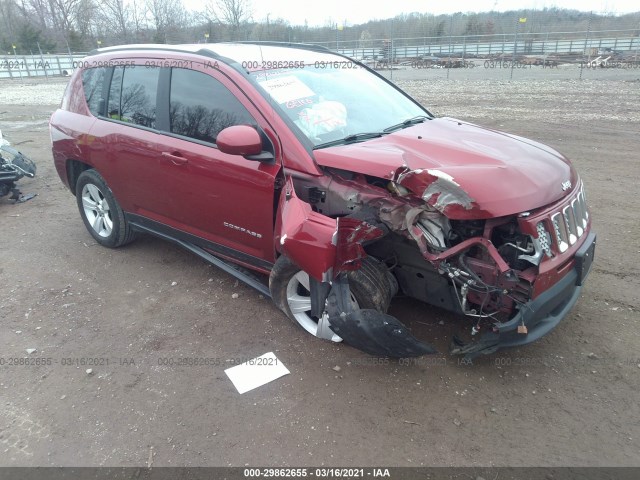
<point x="100" y="211"/>
<point x="370" y="287"/>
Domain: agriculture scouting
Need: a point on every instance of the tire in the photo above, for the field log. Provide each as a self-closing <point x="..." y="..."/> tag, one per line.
<point x="100" y="211"/>
<point x="370" y="286"/>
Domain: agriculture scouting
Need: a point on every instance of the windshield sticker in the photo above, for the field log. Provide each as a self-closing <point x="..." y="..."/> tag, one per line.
<point x="321" y="118"/>
<point x="286" y="89"/>
<point x="300" y="102"/>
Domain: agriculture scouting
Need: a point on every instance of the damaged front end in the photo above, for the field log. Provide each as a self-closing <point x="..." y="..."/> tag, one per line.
<point x="326" y="249"/>
<point x="513" y="276"/>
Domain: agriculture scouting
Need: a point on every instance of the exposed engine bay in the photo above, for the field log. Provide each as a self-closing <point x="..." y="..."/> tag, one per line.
<point x="483" y="269"/>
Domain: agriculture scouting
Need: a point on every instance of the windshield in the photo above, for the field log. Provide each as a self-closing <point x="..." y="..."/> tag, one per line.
<point x="337" y="99"/>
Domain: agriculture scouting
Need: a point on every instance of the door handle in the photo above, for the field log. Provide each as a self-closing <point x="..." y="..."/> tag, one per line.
<point x="175" y="158"/>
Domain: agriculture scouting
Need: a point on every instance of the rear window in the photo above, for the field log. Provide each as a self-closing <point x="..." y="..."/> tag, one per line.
<point x="92" y="83"/>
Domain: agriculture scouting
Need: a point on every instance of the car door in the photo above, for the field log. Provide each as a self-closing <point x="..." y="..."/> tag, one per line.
<point x="177" y="177"/>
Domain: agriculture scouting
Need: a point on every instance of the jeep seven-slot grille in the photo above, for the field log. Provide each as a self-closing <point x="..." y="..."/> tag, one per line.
<point x="570" y="222"/>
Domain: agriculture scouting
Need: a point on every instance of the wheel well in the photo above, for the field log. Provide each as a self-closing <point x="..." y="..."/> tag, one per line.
<point x="74" y="169"/>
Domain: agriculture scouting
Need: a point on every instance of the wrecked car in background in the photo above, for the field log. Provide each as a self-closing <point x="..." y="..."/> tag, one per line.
<point x="14" y="165"/>
<point x="305" y="165"/>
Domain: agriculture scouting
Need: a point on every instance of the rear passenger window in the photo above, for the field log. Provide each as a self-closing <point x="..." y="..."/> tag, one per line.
<point x="92" y="82"/>
<point x="201" y="106"/>
<point x="137" y="96"/>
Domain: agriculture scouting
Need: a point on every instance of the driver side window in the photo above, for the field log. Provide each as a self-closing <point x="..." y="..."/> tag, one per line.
<point x="201" y="107"/>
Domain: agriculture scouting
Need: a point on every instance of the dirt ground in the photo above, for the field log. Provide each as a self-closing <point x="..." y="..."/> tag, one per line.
<point x="569" y="399"/>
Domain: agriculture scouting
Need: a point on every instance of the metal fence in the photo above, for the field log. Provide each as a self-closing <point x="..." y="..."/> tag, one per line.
<point x="24" y="66"/>
<point x="486" y="45"/>
<point x="589" y="49"/>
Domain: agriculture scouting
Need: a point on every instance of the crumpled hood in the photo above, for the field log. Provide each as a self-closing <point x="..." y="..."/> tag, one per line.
<point x="464" y="170"/>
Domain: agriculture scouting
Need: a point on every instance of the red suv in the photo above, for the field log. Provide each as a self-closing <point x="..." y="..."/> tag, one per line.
<point x="299" y="163"/>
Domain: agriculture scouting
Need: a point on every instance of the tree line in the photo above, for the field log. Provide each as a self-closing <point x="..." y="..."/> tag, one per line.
<point x="82" y="25"/>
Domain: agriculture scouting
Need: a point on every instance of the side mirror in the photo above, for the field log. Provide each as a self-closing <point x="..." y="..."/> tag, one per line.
<point x="239" y="140"/>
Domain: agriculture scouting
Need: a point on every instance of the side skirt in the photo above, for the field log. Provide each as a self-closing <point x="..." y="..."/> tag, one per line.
<point x="244" y="275"/>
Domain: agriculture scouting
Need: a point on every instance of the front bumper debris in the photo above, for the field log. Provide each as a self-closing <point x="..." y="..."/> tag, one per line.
<point x="371" y="331"/>
<point x="539" y="316"/>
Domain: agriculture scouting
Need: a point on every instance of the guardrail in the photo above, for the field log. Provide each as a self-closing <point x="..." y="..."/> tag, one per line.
<point x="394" y="50"/>
<point x="421" y="47"/>
<point x="25" y="66"/>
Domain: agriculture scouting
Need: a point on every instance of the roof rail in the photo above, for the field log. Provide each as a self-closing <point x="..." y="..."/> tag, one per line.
<point x="204" y="50"/>
<point x="155" y="46"/>
<point x="304" y="46"/>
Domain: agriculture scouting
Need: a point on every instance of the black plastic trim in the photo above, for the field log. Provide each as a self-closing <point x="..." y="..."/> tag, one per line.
<point x="162" y="100"/>
<point x="584" y="258"/>
<point x="187" y="240"/>
<point x="301" y="46"/>
<point x="155" y="48"/>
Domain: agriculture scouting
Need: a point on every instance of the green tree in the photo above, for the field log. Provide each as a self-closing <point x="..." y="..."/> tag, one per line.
<point x="473" y="26"/>
<point x="76" y="42"/>
<point x="29" y="38"/>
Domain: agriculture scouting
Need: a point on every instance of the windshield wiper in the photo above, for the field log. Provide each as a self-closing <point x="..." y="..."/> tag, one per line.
<point x="407" y="123"/>
<point x="355" y="137"/>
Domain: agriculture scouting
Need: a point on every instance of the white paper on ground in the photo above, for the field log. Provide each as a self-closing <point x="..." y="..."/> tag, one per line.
<point x="256" y="372"/>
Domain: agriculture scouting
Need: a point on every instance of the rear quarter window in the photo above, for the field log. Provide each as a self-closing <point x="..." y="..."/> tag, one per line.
<point x="92" y="83"/>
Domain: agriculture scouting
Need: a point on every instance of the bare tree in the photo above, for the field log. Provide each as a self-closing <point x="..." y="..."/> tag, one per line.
<point x="138" y="14"/>
<point x="62" y="19"/>
<point x="64" y="13"/>
<point x="117" y="18"/>
<point x="166" y="17"/>
<point x="234" y="13"/>
<point x="8" y="17"/>
<point x="85" y="17"/>
<point x="38" y="11"/>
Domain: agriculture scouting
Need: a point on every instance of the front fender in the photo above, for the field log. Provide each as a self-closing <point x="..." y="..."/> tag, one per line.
<point x="322" y="246"/>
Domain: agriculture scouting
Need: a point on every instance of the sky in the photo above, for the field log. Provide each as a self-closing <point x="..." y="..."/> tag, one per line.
<point x="350" y="12"/>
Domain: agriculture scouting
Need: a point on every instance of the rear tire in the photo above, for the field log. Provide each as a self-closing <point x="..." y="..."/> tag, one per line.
<point x="100" y="211"/>
<point x="370" y="288"/>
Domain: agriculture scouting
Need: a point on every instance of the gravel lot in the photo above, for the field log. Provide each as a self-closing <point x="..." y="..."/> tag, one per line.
<point x="569" y="399"/>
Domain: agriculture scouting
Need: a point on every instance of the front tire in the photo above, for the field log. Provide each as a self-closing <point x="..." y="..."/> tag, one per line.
<point x="370" y="288"/>
<point x="100" y="211"/>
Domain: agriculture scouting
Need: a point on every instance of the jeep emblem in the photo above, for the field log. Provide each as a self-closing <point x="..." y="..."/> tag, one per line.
<point x="566" y="185"/>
